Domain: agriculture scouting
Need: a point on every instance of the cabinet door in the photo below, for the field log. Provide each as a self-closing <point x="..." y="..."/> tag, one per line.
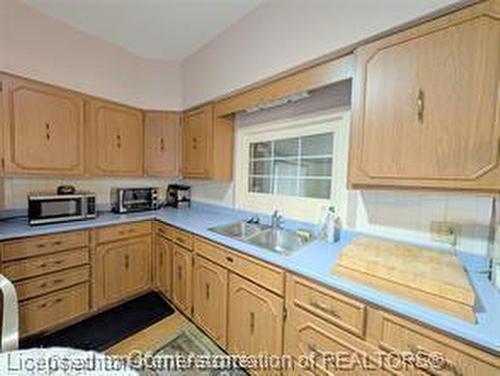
<point x="181" y="279"/>
<point x="255" y="322"/>
<point x="164" y="250"/>
<point x="44" y="129"/>
<point x="426" y="106"/>
<point x="116" y="140"/>
<point x="197" y="130"/>
<point x="123" y="269"/>
<point x="210" y="298"/>
<point x="309" y="337"/>
<point x="161" y="144"/>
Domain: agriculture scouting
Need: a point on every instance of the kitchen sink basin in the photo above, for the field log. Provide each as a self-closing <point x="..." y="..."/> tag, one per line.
<point x="279" y="240"/>
<point x="264" y="236"/>
<point x="239" y="230"/>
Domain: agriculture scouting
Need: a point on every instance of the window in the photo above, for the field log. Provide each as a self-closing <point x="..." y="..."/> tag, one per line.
<point x="297" y="166"/>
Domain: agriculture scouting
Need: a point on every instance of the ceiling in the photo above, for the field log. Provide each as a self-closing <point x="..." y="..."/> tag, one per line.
<point x="151" y="29"/>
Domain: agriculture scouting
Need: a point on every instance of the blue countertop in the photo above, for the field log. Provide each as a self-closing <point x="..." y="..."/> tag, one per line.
<point x="314" y="261"/>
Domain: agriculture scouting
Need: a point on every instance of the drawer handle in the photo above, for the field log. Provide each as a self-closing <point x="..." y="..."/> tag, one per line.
<point x="252" y="322"/>
<point x="58" y="281"/>
<point x="57" y="242"/>
<point x="42" y="285"/>
<point x="58" y="262"/>
<point x="415" y="349"/>
<point x="229" y="259"/>
<point x="42" y="266"/>
<point x="41" y="245"/>
<point x="323" y="308"/>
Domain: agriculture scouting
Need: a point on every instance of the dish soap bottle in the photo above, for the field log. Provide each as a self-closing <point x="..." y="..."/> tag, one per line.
<point x="331" y="226"/>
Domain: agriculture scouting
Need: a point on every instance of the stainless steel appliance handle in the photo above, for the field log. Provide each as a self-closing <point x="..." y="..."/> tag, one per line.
<point x="10" y="316"/>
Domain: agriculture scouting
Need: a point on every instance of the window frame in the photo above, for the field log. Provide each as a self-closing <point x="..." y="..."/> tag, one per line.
<point x="299" y="208"/>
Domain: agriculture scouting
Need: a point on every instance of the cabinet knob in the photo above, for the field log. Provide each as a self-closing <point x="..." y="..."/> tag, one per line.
<point x="420" y="105"/>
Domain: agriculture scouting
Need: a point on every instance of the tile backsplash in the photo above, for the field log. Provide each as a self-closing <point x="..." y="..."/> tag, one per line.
<point x="408" y="216"/>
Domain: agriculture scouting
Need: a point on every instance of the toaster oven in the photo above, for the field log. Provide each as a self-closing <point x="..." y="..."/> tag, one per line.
<point x="127" y="200"/>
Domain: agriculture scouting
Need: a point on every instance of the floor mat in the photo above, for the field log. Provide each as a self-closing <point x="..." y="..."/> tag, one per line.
<point x="188" y="341"/>
<point x="105" y="329"/>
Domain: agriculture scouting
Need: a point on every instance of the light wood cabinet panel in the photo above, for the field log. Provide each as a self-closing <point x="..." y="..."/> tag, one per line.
<point x="210" y="298"/>
<point x="123" y="269"/>
<point x="255" y="322"/>
<point x="182" y="294"/>
<point x="33" y="287"/>
<point x="426" y="105"/>
<point x="391" y="333"/>
<point x="163" y="263"/>
<point x="124" y="231"/>
<point x="338" y="309"/>
<point x="309" y="337"/>
<point x="207" y="144"/>
<point x="44" y="129"/>
<point x="41" y="245"/>
<point x="161" y="143"/>
<point x="197" y="130"/>
<point x="36" y="315"/>
<point x="35" y="266"/>
<point x="115" y="139"/>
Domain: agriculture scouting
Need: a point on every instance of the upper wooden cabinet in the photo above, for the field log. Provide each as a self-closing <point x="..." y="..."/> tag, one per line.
<point x="114" y="139"/>
<point x="207" y="144"/>
<point x="161" y="143"/>
<point x="427" y="103"/>
<point x="44" y="131"/>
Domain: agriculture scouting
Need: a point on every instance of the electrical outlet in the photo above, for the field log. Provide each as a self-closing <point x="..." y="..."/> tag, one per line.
<point x="444" y="232"/>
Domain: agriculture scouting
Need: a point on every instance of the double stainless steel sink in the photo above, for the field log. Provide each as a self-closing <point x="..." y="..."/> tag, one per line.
<point x="274" y="239"/>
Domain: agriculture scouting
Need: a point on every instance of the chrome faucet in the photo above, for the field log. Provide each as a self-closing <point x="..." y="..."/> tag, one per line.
<point x="276" y="220"/>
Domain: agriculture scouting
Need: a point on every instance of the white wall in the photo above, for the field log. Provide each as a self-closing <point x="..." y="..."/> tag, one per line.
<point x="281" y="34"/>
<point x="40" y="47"/>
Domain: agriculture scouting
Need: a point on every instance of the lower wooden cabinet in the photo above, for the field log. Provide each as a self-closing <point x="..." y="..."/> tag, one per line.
<point x="163" y="264"/>
<point x="123" y="269"/>
<point x="255" y="322"/>
<point x="182" y="279"/>
<point x="210" y="298"/>
<point x="48" y="311"/>
<point x="308" y="338"/>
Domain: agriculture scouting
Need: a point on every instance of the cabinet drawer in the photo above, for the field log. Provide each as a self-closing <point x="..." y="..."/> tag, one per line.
<point x="259" y="272"/>
<point x="164" y="230"/>
<point x="112" y="233"/>
<point x="338" y="309"/>
<point x="211" y="251"/>
<point x="310" y="337"/>
<point x="48" y="311"/>
<point x="41" y="245"/>
<point x="35" y="266"/>
<point x="396" y="334"/>
<point x="55" y="281"/>
<point x="182" y="238"/>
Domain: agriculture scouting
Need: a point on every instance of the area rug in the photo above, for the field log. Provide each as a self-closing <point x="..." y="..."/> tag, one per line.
<point x="189" y="341"/>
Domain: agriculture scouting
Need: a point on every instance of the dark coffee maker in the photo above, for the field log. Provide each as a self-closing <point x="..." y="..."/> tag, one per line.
<point x="179" y="196"/>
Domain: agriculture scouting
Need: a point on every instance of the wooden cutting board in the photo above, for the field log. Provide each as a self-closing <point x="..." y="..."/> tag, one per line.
<point x="433" y="278"/>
